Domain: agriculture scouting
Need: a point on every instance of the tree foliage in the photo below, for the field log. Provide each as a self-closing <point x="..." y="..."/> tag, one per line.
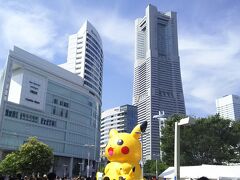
<point x="167" y="140"/>
<point x="211" y="140"/>
<point x="150" y="167"/>
<point x="32" y="157"/>
<point x="10" y="164"/>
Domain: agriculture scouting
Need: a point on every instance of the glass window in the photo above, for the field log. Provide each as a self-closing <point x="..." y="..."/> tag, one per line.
<point x="6" y="112"/>
<point x="61" y="113"/>
<point x="65" y="104"/>
<point x="10" y="113"/>
<point x="66" y="114"/>
<point x="54" y="110"/>
<point x="55" y="101"/>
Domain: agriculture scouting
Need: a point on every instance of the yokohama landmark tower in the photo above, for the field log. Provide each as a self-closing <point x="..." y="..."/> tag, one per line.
<point x="157" y="76"/>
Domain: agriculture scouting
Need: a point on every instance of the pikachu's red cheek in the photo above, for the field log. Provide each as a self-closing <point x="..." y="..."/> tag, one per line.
<point x="110" y="151"/>
<point x="125" y="150"/>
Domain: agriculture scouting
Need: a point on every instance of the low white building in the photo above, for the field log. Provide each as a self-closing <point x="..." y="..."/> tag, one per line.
<point x="210" y="171"/>
<point x="229" y="107"/>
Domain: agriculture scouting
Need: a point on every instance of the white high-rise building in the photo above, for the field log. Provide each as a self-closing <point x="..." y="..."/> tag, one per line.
<point x="229" y="107"/>
<point x="85" y="58"/>
<point x="122" y="118"/>
<point x="157" y="76"/>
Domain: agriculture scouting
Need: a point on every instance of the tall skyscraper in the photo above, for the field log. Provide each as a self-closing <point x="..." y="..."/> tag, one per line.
<point x="157" y="76"/>
<point x="229" y="107"/>
<point x="85" y="58"/>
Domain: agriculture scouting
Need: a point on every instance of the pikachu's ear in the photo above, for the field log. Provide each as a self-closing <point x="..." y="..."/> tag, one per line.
<point x="137" y="131"/>
<point x="112" y="132"/>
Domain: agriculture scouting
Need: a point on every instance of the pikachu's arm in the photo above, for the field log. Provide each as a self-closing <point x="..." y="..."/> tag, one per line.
<point x="106" y="168"/>
<point x="130" y="174"/>
<point x="125" y="168"/>
<point x="112" y="169"/>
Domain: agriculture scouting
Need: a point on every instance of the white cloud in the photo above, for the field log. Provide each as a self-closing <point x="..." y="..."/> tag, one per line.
<point x="118" y="37"/>
<point x="117" y="32"/>
<point x="210" y="68"/>
<point x="30" y="28"/>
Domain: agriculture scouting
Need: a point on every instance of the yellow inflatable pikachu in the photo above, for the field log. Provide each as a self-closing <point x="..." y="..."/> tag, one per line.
<point x="124" y="153"/>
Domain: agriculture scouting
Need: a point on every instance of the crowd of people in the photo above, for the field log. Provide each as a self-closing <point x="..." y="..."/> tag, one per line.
<point x="53" y="176"/>
<point x="49" y="176"/>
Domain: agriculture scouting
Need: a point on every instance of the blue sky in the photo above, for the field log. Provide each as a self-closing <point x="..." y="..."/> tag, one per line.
<point x="208" y="33"/>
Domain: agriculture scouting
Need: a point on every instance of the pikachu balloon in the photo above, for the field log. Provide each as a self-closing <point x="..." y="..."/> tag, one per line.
<point x="124" y="153"/>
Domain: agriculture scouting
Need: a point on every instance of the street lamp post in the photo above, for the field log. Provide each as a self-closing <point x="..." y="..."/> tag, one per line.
<point x="80" y="168"/>
<point x="142" y="154"/>
<point x="161" y="118"/>
<point x="88" y="166"/>
<point x="177" y="151"/>
<point x="64" y="169"/>
<point x="185" y="121"/>
<point x="156" y="165"/>
<point x="156" y="170"/>
<point x="142" y="160"/>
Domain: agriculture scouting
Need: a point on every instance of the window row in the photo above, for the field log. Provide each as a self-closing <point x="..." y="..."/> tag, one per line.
<point x="166" y="94"/>
<point x="10" y="113"/>
<point x="89" y="36"/>
<point x="30" y="118"/>
<point x="93" y="87"/>
<point x="60" y="112"/>
<point x="93" y="76"/>
<point x="94" y="61"/>
<point x="95" y="47"/>
<point x="94" y="50"/>
<point x="91" y="80"/>
<point x="48" y="122"/>
<point x="60" y="102"/>
<point x="93" y="55"/>
<point x="94" y="72"/>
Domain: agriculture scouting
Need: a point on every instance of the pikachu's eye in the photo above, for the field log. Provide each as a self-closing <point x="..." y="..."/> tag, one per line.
<point x="120" y="142"/>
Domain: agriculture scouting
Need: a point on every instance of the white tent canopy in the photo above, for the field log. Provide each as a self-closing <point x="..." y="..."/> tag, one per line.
<point x="209" y="171"/>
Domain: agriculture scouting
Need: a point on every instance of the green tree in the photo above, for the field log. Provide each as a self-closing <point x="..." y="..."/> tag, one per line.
<point x="35" y="157"/>
<point x="236" y="139"/>
<point x="10" y="164"/>
<point x="32" y="157"/>
<point x="150" y="167"/>
<point x="167" y="140"/>
<point x="211" y="140"/>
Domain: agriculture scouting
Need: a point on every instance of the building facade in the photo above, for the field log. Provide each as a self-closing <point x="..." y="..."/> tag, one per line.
<point x="85" y="58"/>
<point x="122" y="118"/>
<point x="157" y="77"/>
<point x="229" y="107"/>
<point x="41" y="99"/>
